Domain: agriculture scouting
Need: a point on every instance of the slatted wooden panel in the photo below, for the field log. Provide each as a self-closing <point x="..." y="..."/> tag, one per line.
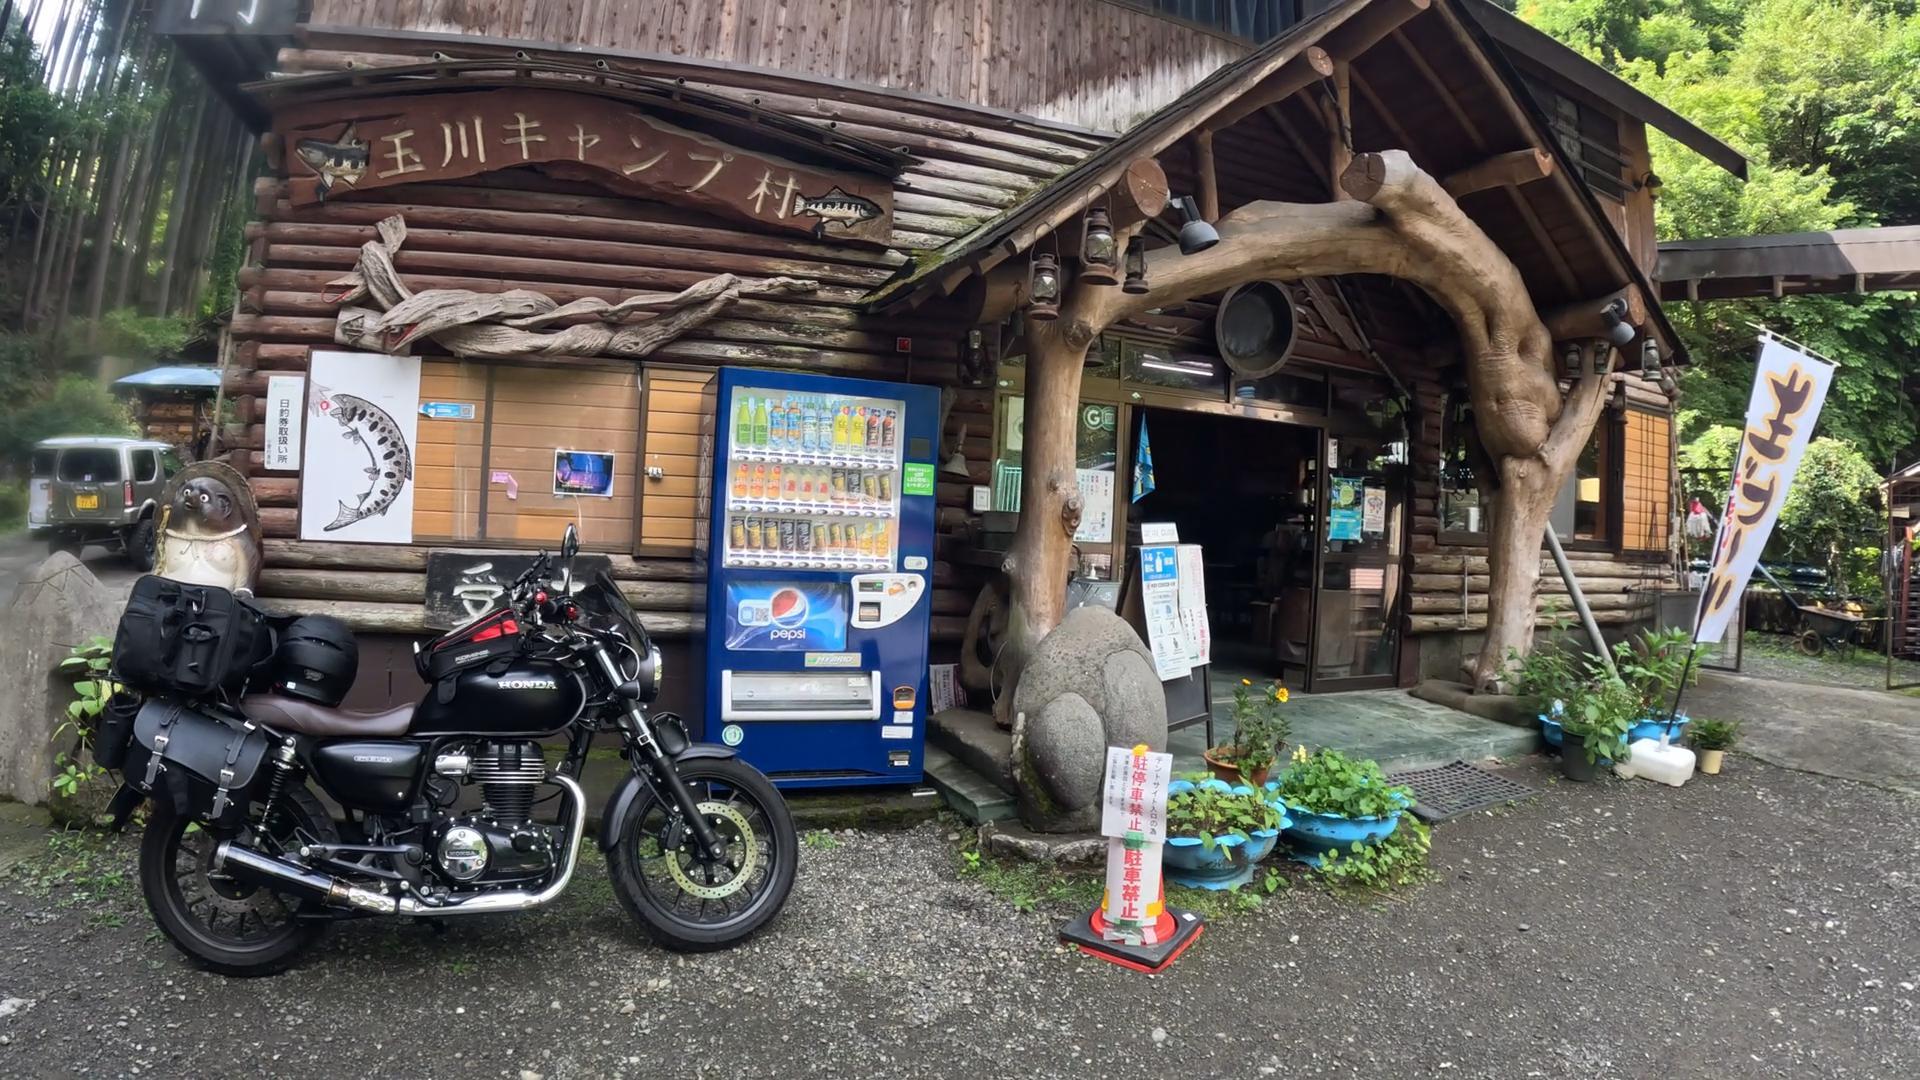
<point x="678" y="439"/>
<point x="1645" y="487"/>
<point x="1085" y="62"/>
<point x="537" y="411"/>
<point x="447" y="478"/>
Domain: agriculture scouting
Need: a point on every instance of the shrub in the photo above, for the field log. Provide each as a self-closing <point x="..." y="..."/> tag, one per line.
<point x="1329" y="782"/>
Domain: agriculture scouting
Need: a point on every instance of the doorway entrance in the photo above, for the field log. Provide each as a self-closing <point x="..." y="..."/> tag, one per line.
<point x="1302" y="562"/>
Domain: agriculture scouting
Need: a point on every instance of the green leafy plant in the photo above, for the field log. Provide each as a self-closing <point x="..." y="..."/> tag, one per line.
<point x="1652" y="663"/>
<point x="1393" y="861"/>
<point x="1704" y="734"/>
<point x="1260" y="728"/>
<point x="1599" y="714"/>
<point x="1548" y="674"/>
<point x="1211" y="810"/>
<point x="820" y="840"/>
<point x="1329" y="782"/>
<point x="88" y="665"/>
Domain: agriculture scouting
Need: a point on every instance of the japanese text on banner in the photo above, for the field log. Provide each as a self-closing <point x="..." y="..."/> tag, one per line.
<point x="1135" y="797"/>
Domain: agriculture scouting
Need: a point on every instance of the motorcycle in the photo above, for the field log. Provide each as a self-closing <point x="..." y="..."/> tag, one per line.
<point x="243" y="866"/>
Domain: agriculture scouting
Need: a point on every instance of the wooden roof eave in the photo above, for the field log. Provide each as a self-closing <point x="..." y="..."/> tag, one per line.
<point x="1842" y="260"/>
<point x="1272" y="73"/>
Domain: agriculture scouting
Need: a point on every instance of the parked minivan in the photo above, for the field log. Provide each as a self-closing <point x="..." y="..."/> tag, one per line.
<point x="87" y="489"/>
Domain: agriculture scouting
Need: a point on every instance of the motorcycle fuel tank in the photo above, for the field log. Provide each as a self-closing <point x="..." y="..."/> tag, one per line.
<point x="367" y="774"/>
<point x="530" y="697"/>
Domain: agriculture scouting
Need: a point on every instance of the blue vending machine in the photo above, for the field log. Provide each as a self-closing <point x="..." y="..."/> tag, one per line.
<point x="820" y="575"/>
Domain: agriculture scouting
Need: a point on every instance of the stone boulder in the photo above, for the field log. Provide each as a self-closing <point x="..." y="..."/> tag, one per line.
<point x="1090" y="684"/>
<point x="59" y="605"/>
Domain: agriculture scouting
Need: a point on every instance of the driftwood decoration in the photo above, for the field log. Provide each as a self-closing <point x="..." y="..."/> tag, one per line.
<point x="1396" y="221"/>
<point x="501" y="325"/>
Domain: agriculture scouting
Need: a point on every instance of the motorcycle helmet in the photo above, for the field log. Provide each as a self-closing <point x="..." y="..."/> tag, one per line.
<point x="316" y="660"/>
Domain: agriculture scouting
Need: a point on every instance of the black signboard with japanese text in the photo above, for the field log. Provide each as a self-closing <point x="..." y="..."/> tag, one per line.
<point x="464" y="585"/>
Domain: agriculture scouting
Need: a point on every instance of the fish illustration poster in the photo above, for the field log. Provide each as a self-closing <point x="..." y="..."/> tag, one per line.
<point x="361" y="426"/>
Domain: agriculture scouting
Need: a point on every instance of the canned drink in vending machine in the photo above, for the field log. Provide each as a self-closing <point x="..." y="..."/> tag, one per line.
<point x="737" y="534"/>
<point x="886" y="488"/>
<point x="820" y="545"/>
<point x="835" y="537"/>
<point x="870" y="486"/>
<point x="788" y="542"/>
<point x="803" y="535"/>
<point x="839" y="485"/>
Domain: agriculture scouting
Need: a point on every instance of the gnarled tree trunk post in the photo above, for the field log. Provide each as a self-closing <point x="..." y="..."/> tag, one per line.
<point x="1402" y="223"/>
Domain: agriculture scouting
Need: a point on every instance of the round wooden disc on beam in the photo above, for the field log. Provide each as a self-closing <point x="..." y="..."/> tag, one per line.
<point x="1320" y="60"/>
<point x="1141" y="194"/>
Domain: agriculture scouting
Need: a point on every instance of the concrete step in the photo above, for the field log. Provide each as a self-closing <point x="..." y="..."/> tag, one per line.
<point x="980" y="744"/>
<point x="970" y="794"/>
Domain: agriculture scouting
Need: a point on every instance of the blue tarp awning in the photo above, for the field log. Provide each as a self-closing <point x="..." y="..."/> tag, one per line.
<point x="175" y="377"/>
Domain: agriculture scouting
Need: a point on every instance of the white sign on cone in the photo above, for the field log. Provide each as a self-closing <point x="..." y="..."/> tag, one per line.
<point x="1789" y="387"/>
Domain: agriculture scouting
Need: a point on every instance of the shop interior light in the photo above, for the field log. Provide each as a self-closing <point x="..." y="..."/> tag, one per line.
<point x="1043" y="288"/>
<point x="1136" y="282"/>
<point x="1099" y="253"/>
<point x="1196" y="235"/>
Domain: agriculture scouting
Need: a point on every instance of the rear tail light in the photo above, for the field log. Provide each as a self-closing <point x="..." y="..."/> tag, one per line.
<point x="126" y="490"/>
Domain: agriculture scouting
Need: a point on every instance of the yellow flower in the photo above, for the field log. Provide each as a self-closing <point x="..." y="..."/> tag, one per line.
<point x="1280" y="694"/>
<point x="1246" y="682"/>
<point x="1300" y="753"/>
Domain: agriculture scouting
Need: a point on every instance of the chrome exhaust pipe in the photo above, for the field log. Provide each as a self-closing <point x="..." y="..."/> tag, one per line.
<point x="493" y="903"/>
<point x="273" y="873"/>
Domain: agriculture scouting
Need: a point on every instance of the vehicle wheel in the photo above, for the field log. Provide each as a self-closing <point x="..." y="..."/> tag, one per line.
<point x="139" y="542"/>
<point x="228" y="926"/>
<point x="689" y="903"/>
<point x="1810" y="643"/>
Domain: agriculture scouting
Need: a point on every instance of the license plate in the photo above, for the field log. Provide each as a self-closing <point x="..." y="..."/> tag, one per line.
<point x="86" y="502"/>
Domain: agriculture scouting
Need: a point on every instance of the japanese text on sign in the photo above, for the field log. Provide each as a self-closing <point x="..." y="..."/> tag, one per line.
<point x="286" y="396"/>
<point x="1135" y="801"/>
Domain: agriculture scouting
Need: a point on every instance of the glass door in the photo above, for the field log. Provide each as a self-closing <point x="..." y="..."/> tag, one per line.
<point x="1356" y="628"/>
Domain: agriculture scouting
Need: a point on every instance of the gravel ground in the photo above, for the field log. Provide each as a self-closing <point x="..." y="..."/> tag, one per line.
<point x="1773" y="656"/>
<point x="1759" y="924"/>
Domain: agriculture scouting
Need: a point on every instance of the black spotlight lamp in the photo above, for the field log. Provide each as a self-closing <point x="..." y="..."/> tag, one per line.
<point x="1099" y="253"/>
<point x="1043" y="288"/>
<point x="1136" y="282"/>
<point x="1196" y="235"/>
<point x="1619" y="331"/>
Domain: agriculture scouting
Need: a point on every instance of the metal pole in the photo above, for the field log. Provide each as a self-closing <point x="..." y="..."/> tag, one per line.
<point x="1580" y="602"/>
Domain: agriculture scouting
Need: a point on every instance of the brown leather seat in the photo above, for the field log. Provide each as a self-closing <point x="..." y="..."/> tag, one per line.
<point x="292" y="714"/>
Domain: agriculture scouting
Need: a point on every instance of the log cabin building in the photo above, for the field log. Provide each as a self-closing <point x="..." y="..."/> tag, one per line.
<point x="977" y="134"/>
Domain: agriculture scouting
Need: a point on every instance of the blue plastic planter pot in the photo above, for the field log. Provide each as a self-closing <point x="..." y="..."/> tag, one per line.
<point x="1555" y="736"/>
<point x="1653" y="729"/>
<point x="1311" y="834"/>
<point x="1550" y="731"/>
<point x="1230" y="863"/>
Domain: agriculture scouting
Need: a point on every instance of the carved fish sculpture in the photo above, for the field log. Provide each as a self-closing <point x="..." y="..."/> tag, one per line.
<point x="389" y="459"/>
<point x="836" y="207"/>
<point x="340" y="162"/>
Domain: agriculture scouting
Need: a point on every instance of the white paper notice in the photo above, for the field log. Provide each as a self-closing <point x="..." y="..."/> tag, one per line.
<point x="1096" y="507"/>
<point x="286" y="406"/>
<point x="1160" y="601"/>
<point x="1135" y="795"/>
<point x="1373" y="510"/>
<point x="1193" y="605"/>
<point x="1159" y="532"/>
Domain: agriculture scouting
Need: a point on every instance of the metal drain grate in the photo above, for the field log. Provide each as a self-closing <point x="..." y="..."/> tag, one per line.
<point x="1452" y="790"/>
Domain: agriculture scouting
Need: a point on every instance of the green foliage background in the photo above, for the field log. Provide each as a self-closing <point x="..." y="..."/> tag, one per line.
<point x="1823" y="99"/>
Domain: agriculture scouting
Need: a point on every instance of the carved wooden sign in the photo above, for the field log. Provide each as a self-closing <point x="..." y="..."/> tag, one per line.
<point x="360" y="145"/>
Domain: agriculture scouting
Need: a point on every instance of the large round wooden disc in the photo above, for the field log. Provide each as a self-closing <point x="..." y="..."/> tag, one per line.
<point x="1255" y="327"/>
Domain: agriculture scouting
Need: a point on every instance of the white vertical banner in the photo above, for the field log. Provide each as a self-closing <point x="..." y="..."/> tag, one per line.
<point x="1193" y="605"/>
<point x="1789" y="388"/>
<point x="286" y="403"/>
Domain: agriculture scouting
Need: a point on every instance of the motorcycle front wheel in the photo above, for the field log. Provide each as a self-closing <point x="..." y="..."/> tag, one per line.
<point x="691" y="903"/>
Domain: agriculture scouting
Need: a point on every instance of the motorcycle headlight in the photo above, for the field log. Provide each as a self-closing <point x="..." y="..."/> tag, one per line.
<point x="651" y="668"/>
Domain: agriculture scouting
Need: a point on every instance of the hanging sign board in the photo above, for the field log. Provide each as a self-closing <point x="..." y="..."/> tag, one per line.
<point x="1096" y="507"/>
<point x="1193" y="605"/>
<point x="1789" y="388"/>
<point x="363" y="414"/>
<point x="286" y="408"/>
<point x="362" y="144"/>
<point x="464" y="585"/>
<point x="1134" y="802"/>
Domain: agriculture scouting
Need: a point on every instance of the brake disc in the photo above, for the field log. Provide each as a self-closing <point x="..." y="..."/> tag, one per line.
<point x="739" y="874"/>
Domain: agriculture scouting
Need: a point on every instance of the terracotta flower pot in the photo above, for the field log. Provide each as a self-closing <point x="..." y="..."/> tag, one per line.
<point x="1232" y="773"/>
<point x="1710" y="761"/>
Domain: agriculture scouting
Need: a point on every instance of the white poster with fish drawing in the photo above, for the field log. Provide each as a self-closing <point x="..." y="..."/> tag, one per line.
<point x="362" y="421"/>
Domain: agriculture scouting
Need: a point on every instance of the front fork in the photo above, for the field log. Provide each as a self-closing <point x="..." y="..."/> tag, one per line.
<point x="640" y="741"/>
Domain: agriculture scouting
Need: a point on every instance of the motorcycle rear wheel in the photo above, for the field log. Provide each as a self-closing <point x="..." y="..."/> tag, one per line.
<point x="686" y="903"/>
<point x="221" y="924"/>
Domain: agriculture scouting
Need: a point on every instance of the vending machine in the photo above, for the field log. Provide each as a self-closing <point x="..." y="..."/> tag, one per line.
<point x="820" y="575"/>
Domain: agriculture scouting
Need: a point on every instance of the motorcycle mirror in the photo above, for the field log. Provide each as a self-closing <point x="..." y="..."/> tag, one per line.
<point x="570" y="543"/>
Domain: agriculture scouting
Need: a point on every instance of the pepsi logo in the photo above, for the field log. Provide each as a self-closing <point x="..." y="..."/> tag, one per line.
<point x="788" y="608"/>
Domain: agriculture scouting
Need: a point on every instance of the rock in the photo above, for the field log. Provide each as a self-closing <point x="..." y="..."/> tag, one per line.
<point x="1089" y="684"/>
<point x="1007" y="839"/>
<point x="59" y="605"/>
<point x="1159" y="1035"/>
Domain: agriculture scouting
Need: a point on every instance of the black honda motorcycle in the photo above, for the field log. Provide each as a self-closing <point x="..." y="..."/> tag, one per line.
<point x="450" y="807"/>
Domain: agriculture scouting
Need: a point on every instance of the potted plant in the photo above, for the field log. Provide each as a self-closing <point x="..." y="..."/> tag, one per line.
<point x="1335" y="801"/>
<point x="1549" y="674"/>
<point x="1260" y="729"/>
<point x="1652" y="665"/>
<point x="1217" y="831"/>
<point x="1596" y="722"/>
<point x="1711" y="739"/>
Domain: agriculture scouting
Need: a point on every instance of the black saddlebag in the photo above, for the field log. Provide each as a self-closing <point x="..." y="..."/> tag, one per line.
<point x="113" y="732"/>
<point x="176" y="638"/>
<point x="208" y="766"/>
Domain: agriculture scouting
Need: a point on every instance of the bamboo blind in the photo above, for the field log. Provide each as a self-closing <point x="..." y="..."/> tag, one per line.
<point x="1645" y="489"/>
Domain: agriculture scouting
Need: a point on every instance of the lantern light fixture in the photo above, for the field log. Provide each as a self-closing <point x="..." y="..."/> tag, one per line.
<point x="1043" y="288"/>
<point x="1099" y="253"/>
<point x="1136" y="282"/>
<point x="1650" y="359"/>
